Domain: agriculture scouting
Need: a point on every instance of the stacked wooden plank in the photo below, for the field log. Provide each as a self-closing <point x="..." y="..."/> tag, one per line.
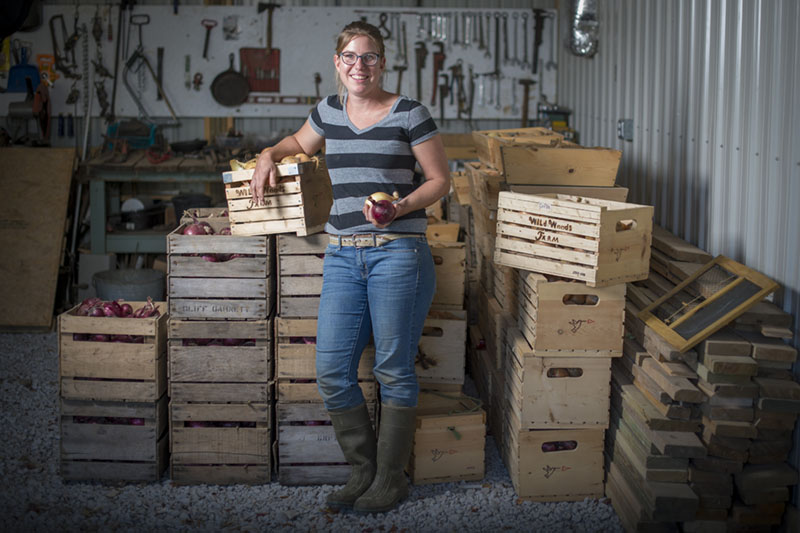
<point x="113" y="396"/>
<point x="748" y="407"/>
<point x="221" y="298"/>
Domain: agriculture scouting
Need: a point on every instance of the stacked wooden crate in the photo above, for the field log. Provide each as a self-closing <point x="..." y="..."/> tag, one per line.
<point x="113" y="396"/>
<point x="221" y="297"/>
<point x="746" y="413"/>
<point x="308" y="452"/>
<point x="555" y="274"/>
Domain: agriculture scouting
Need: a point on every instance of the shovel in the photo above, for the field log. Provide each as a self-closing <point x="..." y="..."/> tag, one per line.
<point x="22" y="70"/>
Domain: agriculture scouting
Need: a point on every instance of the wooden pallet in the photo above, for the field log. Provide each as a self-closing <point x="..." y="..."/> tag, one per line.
<point x="596" y="241"/>
<point x="203" y="369"/>
<point x="237" y="289"/>
<point x="113" y="371"/>
<point x="308" y="452"/>
<point x="230" y="443"/>
<point x="300" y="203"/>
<point x="562" y="318"/>
<point x="113" y="441"/>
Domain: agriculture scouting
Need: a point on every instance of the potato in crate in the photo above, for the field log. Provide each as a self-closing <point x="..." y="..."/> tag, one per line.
<point x="113" y="441"/>
<point x="219" y="276"/>
<point x="308" y="452"/>
<point x="300" y="203"/>
<point x="563" y="318"/>
<point x="300" y="262"/>
<point x="295" y="369"/>
<point x="220" y="361"/>
<point x="449" y="440"/>
<point x="596" y="241"/>
<point x="111" y="358"/>
<point x="220" y="443"/>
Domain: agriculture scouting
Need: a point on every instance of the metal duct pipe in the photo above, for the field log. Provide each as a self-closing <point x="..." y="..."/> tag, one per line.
<point x="584" y="28"/>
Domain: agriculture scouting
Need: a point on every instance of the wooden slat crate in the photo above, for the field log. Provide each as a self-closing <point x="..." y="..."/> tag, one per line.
<point x="488" y="142"/>
<point x="220" y="444"/>
<point x="449" y="440"/>
<point x="596" y="241"/>
<point x="493" y="321"/>
<point x="113" y="371"/>
<point x="555" y="392"/>
<point x="295" y="369"/>
<point x="485" y="184"/>
<point x="114" y="441"/>
<point x="237" y="289"/>
<point x="220" y="361"/>
<point x="300" y="261"/>
<point x="300" y="203"/>
<point x="614" y="194"/>
<point x="442" y="348"/>
<point x="505" y="287"/>
<point x="546" y="159"/>
<point x="308" y="452"/>
<point x="554" y="465"/>
<point x="449" y="260"/>
<point x="565" y="318"/>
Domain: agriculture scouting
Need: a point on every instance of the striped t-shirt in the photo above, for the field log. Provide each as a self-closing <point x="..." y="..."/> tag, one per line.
<point x="378" y="158"/>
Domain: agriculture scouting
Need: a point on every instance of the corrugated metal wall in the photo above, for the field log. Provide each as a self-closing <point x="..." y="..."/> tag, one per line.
<point x="713" y="88"/>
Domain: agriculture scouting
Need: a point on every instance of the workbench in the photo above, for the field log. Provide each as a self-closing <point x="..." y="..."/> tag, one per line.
<point x="107" y="169"/>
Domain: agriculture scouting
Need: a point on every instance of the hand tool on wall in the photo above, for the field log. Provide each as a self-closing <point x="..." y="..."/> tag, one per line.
<point x="471" y="93"/>
<point x="442" y="95"/>
<point x="421" y="53"/>
<point x="159" y="68"/>
<point x="386" y="33"/>
<point x="263" y="65"/>
<point x="208" y="24"/>
<point x="488" y="52"/>
<point x="481" y="42"/>
<point x="438" y="64"/>
<point x="515" y="58"/>
<point x="526" y="89"/>
<point x="230" y="88"/>
<point x="317" y="82"/>
<point x="505" y="39"/>
<point x="399" y="69"/>
<point x="550" y="65"/>
<point x="497" y="42"/>
<point x="525" y="63"/>
<point x="538" y="27"/>
<point x="63" y="65"/>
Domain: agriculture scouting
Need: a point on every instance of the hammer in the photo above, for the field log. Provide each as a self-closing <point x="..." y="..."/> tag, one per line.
<point x="526" y="84"/>
<point x="400" y="69"/>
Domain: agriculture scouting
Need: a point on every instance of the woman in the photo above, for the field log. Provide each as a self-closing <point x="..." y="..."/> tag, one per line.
<point x="378" y="279"/>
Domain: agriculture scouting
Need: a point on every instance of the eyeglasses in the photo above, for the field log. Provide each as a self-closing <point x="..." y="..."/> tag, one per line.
<point x="370" y="59"/>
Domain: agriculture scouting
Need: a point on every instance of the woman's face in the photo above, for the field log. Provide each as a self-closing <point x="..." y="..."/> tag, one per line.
<point x="360" y="79"/>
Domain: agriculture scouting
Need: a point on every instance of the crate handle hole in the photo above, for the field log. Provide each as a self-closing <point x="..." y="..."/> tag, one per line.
<point x="438" y="260"/>
<point x="580" y="299"/>
<point x="559" y="446"/>
<point x="564" y="372"/>
<point x="625" y="225"/>
<point x="432" y="331"/>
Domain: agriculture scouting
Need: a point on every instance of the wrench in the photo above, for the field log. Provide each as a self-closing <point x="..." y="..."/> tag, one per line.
<point x="488" y="53"/>
<point x="505" y="39"/>
<point x="525" y="63"/>
<point x="552" y="64"/>
<point x="497" y="94"/>
<point x="208" y="24"/>
<point x="467" y="31"/>
<point x="515" y="59"/>
<point x="481" y="42"/>
<point x="456" y="40"/>
<point x="514" y="106"/>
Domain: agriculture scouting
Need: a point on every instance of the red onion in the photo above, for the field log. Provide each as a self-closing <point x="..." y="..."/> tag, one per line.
<point x="80" y="336"/>
<point x="231" y="342"/>
<point x="194" y="229"/>
<point x="87" y="305"/>
<point x="112" y="308"/>
<point x="383" y="211"/>
<point x="127" y="309"/>
<point x="149" y="310"/>
<point x="100" y="337"/>
<point x="211" y="258"/>
<point x="96" y="311"/>
<point x="225" y="231"/>
<point x="137" y="421"/>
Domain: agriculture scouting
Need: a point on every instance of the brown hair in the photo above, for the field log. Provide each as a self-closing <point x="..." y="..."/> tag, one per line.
<point x="351" y="31"/>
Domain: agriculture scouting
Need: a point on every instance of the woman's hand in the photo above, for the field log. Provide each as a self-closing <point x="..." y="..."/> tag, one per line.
<point x="399" y="211"/>
<point x="265" y="173"/>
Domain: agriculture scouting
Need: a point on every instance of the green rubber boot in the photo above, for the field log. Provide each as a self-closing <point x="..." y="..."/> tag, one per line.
<point x="357" y="439"/>
<point x="395" y="440"/>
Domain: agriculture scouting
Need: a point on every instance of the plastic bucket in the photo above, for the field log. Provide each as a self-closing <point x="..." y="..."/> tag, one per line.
<point x="131" y="285"/>
<point x="182" y="202"/>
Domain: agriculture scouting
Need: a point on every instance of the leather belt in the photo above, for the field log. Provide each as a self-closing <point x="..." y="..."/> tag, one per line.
<point x="366" y="240"/>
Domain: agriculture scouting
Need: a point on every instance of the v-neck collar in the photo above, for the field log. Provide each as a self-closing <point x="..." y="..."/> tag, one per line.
<point x="358" y="130"/>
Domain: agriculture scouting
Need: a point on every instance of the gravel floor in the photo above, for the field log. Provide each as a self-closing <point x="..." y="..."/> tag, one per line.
<point x="34" y="498"/>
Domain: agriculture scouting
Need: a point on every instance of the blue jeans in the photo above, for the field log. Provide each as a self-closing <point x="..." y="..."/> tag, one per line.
<point x="385" y="291"/>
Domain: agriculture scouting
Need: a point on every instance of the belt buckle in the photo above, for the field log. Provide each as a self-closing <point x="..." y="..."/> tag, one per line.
<point x="366" y="240"/>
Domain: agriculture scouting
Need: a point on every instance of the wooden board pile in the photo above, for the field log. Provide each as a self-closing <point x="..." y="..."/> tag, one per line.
<point x="551" y="270"/>
<point x="221" y="299"/>
<point x="720" y="415"/>
<point x="113" y="396"/>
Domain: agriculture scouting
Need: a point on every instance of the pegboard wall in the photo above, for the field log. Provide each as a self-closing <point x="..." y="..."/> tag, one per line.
<point x="305" y="37"/>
